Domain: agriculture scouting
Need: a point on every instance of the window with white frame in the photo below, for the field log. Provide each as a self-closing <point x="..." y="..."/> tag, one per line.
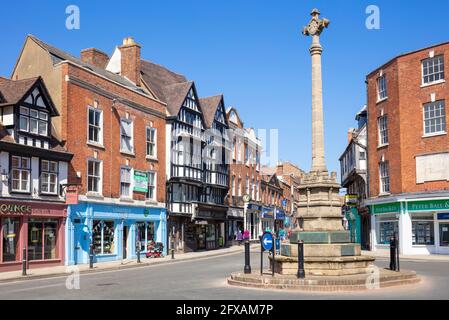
<point x="233" y="186"/>
<point x="382" y="87"/>
<point x="383" y="130"/>
<point x="384" y="172"/>
<point x="33" y="121"/>
<point x="95" y="133"/>
<point x="126" y="136"/>
<point x="151" y="194"/>
<point x="247" y="186"/>
<point x="434" y="117"/>
<point x="49" y="177"/>
<point x="94" y="176"/>
<point x="433" y="69"/>
<point x="125" y="182"/>
<point x="151" y="142"/>
<point x="21" y="174"/>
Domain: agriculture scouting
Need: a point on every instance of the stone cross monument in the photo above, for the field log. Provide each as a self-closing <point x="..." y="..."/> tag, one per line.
<point x="314" y="29"/>
<point x="327" y="246"/>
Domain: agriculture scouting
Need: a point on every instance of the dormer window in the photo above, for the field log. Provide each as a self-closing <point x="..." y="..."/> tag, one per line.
<point x="33" y="121"/>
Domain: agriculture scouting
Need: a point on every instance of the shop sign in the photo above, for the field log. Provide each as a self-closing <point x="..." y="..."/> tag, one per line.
<point x="71" y="195"/>
<point x="443" y="216"/>
<point x="140" y="181"/>
<point x="280" y="214"/>
<point x="351" y="200"/>
<point x="429" y="205"/>
<point x="394" y="207"/>
<point x="267" y="213"/>
<point x="14" y="209"/>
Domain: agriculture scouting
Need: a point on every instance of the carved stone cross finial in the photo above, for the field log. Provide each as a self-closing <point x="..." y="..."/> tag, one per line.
<point x="316" y="25"/>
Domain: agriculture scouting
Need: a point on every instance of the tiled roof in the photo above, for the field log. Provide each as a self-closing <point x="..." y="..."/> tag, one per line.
<point x="209" y="107"/>
<point x="14" y="91"/>
<point x="58" y="56"/>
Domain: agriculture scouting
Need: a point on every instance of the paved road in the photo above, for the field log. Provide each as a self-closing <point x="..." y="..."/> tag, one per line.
<point x="205" y="279"/>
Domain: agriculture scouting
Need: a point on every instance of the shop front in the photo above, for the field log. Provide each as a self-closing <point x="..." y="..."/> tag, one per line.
<point x="421" y="225"/>
<point x="207" y="230"/>
<point x="267" y="219"/>
<point x="253" y="222"/>
<point x="354" y="224"/>
<point x="115" y="231"/>
<point x="234" y="223"/>
<point x="34" y="228"/>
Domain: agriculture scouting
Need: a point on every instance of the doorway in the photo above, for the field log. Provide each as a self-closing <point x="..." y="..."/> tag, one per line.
<point x="125" y="242"/>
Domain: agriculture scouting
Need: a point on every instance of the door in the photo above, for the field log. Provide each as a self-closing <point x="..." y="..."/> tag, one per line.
<point x="81" y="242"/>
<point x="444" y="235"/>
<point x="125" y="242"/>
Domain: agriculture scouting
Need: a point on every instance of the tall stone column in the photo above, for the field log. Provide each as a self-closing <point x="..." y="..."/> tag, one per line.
<point x="314" y="29"/>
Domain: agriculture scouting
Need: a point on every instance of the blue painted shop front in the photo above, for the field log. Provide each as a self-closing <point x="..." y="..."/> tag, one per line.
<point x="114" y="230"/>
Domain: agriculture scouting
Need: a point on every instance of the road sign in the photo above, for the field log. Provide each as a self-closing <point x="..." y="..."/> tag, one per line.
<point x="278" y="246"/>
<point x="267" y="241"/>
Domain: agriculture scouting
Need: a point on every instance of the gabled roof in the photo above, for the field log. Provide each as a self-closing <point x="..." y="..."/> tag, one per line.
<point x="209" y="107"/>
<point x="231" y="110"/>
<point x="58" y="56"/>
<point x="175" y="95"/>
<point x="14" y="91"/>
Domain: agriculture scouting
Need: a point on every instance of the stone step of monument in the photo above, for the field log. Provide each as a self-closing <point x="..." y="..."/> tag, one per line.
<point x="385" y="278"/>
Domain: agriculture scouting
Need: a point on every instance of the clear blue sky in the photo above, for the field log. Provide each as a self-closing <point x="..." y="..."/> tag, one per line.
<point x="250" y="50"/>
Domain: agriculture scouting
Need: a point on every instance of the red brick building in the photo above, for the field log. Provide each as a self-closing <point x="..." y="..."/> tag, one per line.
<point x="245" y="178"/>
<point x="115" y="127"/>
<point x="408" y="151"/>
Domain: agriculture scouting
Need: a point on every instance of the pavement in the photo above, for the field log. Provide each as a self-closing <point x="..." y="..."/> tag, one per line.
<point x="205" y="279"/>
<point x="419" y="257"/>
<point x="117" y="265"/>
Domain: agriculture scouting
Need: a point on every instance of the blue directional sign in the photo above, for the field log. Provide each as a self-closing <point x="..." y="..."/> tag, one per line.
<point x="267" y="241"/>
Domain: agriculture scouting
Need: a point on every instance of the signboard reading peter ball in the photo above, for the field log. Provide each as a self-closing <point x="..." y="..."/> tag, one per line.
<point x="140" y="181"/>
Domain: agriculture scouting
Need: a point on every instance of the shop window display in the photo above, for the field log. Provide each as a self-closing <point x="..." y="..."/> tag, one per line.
<point x="42" y="239"/>
<point x="422" y="230"/>
<point x="10" y="228"/>
<point x="386" y="230"/>
<point x="103" y="237"/>
<point x="145" y="234"/>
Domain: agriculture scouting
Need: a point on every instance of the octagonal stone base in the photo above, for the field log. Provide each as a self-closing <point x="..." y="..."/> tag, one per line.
<point x="323" y="266"/>
<point x="359" y="282"/>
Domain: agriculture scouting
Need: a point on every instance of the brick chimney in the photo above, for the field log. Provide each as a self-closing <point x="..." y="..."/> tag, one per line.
<point x="130" y="64"/>
<point x="350" y="134"/>
<point x="95" y="57"/>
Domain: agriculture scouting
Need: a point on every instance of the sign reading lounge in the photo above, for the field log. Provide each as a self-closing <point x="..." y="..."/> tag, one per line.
<point x="14" y="208"/>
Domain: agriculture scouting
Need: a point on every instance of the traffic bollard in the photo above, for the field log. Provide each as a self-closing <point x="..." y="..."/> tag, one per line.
<point x="91" y="256"/>
<point x="24" y="262"/>
<point x="393" y="253"/>
<point x="247" y="268"/>
<point x="301" y="273"/>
